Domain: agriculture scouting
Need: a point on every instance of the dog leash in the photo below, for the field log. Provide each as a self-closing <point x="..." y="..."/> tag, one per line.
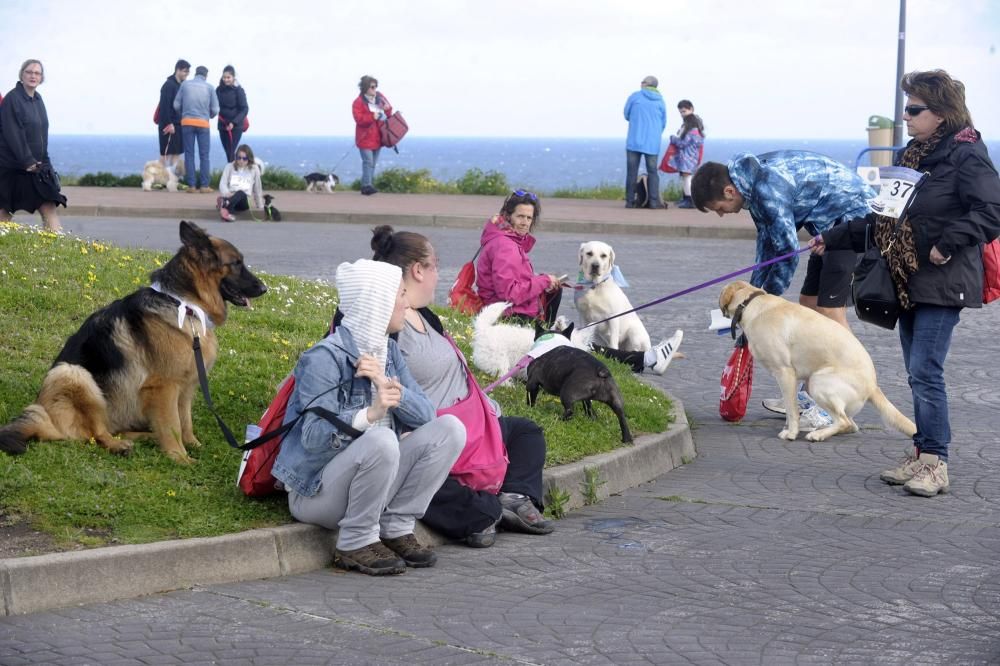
<point x="522" y="363"/>
<point x="717" y="280"/>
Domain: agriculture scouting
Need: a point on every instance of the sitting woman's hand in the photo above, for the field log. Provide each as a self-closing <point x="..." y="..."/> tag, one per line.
<point x="554" y="282"/>
<point x="368" y="367"/>
<point x="386" y="397"/>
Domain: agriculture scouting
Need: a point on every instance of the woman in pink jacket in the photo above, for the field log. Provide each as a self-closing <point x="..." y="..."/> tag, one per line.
<point x="370" y="110"/>
<point x="504" y="271"/>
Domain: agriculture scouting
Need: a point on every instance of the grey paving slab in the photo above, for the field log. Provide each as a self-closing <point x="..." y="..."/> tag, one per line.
<point x="759" y="552"/>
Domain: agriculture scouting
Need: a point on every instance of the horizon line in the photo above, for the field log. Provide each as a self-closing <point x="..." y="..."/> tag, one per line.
<point x="861" y="138"/>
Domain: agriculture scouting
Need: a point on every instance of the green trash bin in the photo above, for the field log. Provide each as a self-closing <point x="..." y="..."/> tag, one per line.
<point x="880" y="136"/>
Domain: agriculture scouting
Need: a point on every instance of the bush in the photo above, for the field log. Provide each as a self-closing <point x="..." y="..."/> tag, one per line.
<point x="475" y="181"/>
<point x="602" y="191"/>
<point x="99" y="179"/>
<point x="132" y="180"/>
<point x="406" y="181"/>
<point x="280" y="178"/>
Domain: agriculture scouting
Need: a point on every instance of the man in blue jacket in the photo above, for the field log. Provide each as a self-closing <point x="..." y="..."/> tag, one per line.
<point x="197" y="103"/>
<point x="785" y="191"/>
<point x="647" y="118"/>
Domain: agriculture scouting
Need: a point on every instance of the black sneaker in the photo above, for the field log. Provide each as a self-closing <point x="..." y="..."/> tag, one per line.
<point x="521" y="515"/>
<point x="414" y="553"/>
<point x="373" y="559"/>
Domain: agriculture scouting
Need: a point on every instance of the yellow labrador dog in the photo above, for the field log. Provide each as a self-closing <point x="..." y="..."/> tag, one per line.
<point x="798" y="344"/>
<point x="600" y="297"/>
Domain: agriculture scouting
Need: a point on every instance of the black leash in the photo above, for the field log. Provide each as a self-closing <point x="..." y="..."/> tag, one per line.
<point x="322" y="412"/>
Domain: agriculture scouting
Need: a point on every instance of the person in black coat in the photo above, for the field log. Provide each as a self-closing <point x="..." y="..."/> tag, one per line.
<point x="935" y="257"/>
<point x="169" y="121"/>
<point x="27" y="179"/>
<point x="233" y="110"/>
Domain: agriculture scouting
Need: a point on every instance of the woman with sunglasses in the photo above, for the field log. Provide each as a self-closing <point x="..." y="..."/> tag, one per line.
<point x="27" y="180"/>
<point x="504" y="271"/>
<point x="934" y="255"/>
<point x="240" y="183"/>
<point x="233" y="110"/>
<point x="370" y="110"/>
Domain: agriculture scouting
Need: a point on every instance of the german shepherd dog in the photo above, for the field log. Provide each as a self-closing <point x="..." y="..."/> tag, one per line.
<point x="130" y="369"/>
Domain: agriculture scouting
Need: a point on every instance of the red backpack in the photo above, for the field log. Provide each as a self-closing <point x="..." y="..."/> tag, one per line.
<point x="991" y="271"/>
<point x="156" y="115"/>
<point x="393" y="130"/>
<point x="737" y="382"/>
<point x="254" y="477"/>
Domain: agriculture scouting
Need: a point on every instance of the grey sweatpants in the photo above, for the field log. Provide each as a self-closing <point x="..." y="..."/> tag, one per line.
<point x="379" y="486"/>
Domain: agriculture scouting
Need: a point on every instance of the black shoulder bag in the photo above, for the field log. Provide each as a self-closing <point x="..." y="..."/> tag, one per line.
<point x="875" y="299"/>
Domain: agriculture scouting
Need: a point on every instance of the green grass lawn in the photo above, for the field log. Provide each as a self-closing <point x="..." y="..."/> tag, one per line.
<point x="82" y="495"/>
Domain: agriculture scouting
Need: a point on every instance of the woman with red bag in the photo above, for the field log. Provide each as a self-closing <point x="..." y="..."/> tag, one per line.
<point x="370" y="110"/>
<point x="457" y="510"/>
<point x="233" y="110"/>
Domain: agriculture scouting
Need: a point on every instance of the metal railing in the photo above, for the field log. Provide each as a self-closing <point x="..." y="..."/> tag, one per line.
<point x="894" y="149"/>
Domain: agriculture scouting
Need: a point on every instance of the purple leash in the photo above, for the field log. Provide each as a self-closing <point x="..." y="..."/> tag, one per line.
<point x="522" y="363"/>
<point x="699" y="286"/>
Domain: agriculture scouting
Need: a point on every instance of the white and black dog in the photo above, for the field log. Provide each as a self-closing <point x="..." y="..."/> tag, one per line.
<point x="316" y="181"/>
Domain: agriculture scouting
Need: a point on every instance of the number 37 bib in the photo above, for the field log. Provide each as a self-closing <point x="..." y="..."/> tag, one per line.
<point x="898" y="184"/>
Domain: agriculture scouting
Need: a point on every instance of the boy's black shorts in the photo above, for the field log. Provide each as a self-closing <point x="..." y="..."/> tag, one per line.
<point x="828" y="278"/>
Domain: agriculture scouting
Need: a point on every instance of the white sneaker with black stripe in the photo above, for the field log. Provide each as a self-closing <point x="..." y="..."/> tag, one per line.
<point x="664" y="352"/>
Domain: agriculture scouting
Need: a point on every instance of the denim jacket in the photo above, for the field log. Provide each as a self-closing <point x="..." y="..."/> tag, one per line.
<point x="790" y="189"/>
<point x="314" y="441"/>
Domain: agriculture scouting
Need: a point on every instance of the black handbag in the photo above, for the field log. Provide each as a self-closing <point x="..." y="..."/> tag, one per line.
<point x="875" y="299"/>
<point x="46" y="182"/>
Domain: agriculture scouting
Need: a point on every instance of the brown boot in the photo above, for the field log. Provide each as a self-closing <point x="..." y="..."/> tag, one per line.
<point x="372" y="559"/>
<point x="412" y="551"/>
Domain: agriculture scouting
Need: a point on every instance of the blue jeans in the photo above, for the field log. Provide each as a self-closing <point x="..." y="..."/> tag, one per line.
<point x="632" y="173"/>
<point x="925" y="334"/>
<point x="201" y="134"/>
<point x="369" y="158"/>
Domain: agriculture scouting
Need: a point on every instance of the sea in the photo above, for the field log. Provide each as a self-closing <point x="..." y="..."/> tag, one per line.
<point x="538" y="164"/>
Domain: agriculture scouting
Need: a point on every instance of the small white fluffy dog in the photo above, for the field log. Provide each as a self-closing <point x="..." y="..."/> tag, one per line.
<point x="600" y="297"/>
<point x="497" y="347"/>
<point x="154" y="172"/>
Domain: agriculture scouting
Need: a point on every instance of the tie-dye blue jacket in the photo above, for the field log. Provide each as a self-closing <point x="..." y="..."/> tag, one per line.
<point x="790" y="189"/>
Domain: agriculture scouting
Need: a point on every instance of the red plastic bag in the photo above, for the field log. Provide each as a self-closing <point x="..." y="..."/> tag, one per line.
<point x="665" y="162"/>
<point x="991" y="271"/>
<point x="462" y="296"/>
<point x="737" y="380"/>
<point x="254" y="477"/>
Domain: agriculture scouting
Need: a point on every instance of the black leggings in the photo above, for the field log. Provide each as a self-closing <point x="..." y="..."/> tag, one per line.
<point x="635" y="359"/>
<point x="230" y="145"/>
<point x="551" y="310"/>
<point x="236" y="202"/>
<point x="457" y="511"/>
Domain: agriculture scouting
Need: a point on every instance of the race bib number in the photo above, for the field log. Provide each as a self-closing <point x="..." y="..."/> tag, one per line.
<point x="896" y="190"/>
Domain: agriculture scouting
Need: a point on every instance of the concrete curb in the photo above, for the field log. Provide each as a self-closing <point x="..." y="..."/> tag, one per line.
<point x="43" y="582"/>
<point x="441" y="221"/>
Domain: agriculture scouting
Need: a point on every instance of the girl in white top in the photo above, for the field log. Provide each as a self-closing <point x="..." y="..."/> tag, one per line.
<point x="240" y="185"/>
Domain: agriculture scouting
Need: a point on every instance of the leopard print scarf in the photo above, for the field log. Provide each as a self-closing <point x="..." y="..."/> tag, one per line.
<point x="901" y="251"/>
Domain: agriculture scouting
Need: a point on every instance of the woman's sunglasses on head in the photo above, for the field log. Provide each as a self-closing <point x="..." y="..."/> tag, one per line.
<point x="525" y="193"/>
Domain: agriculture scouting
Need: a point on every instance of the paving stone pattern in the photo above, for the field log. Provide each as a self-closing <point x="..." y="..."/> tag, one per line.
<point x="759" y="552"/>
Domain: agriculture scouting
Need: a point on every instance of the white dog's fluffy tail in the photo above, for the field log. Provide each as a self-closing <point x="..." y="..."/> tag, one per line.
<point x="488" y="316"/>
<point x="891" y="416"/>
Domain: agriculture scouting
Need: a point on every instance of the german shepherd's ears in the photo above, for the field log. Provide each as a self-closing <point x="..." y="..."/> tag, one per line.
<point x="194" y="236"/>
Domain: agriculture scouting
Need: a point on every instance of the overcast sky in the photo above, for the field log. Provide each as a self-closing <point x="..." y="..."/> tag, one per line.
<point x="561" y="68"/>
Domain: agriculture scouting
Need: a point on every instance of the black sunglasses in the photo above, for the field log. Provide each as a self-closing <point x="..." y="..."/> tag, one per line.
<point x="915" y="110"/>
<point x="525" y="193"/>
<point x="242" y="158"/>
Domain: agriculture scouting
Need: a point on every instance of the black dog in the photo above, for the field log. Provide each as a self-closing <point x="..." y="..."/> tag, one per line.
<point x="272" y="213"/>
<point x="574" y="375"/>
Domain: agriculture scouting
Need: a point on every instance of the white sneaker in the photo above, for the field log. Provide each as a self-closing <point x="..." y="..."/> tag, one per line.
<point x="776" y="405"/>
<point x="814" y="418"/>
<point x="664" y="352"/>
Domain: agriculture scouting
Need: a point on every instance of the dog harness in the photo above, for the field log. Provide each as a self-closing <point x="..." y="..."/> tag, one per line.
<point x="184" y="309"/>
<point x="583" y="285"/>
<point x="738" y="315"/>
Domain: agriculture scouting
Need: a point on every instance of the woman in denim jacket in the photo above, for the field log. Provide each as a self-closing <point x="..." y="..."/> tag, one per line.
<point x="375" y="484"/>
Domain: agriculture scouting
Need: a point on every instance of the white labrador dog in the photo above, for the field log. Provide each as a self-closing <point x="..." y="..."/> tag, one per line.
<point x="797" y="344"/>
<point x="600" y="296"/>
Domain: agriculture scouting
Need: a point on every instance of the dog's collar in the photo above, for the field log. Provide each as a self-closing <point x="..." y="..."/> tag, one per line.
<point x="184" y="309"/>
<point x="738" y="315"/>
<point x="615" y="274"/>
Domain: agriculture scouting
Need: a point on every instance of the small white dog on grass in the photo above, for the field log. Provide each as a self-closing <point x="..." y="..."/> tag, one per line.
<point x="156" y="173"/>
<point x="498" y="346"/>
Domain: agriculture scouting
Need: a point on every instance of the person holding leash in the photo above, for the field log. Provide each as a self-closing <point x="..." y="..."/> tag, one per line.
<point x="240" y="186"/>
<point x="785" y="191"/>
<point x="233" y="110"/>
<point x="169" y="121"/>
<point x="370" y="110"/>
<point x="935" y="258"/>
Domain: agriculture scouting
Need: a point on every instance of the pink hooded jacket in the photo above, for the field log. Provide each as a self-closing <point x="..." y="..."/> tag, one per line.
<point x="504" y="272"/>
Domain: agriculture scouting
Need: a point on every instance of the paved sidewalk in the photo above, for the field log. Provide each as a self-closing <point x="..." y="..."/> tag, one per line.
<point x="760" y="551"/>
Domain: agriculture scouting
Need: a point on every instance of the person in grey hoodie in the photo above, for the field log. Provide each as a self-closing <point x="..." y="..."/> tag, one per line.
<point x="647" y="118"/>
<point x="197" y="103"/>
